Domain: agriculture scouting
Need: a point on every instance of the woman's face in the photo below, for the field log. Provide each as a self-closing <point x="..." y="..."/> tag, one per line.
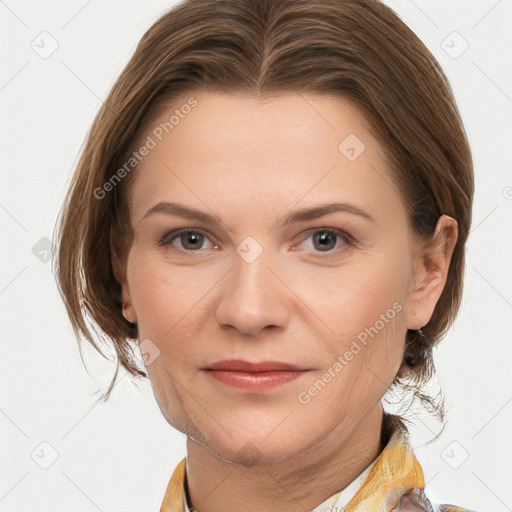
<point x="290" y="249"/>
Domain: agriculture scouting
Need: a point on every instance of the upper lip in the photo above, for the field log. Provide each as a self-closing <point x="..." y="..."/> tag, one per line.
<point x="246" y="366"/>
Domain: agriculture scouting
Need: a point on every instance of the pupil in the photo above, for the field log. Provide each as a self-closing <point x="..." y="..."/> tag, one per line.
<point x="191" y="239"/>
<point x="326" y="240"/>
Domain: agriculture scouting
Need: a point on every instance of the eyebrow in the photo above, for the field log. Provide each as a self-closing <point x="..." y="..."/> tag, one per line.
<point x="304" y="214"/>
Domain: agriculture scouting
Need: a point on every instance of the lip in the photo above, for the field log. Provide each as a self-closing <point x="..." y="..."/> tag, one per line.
<point x="256" y="377"/>
<point x="239" y="365"/>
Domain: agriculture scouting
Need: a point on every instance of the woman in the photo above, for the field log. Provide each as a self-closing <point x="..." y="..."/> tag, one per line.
<point x="273" y="203"/>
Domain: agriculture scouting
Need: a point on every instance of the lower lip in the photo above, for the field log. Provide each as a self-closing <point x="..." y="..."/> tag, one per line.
<point x="254" y="381"/>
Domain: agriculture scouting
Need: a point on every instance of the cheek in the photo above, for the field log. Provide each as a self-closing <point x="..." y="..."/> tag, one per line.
<point x="365" y="311"/>
<point x="363" y="306"/>
<point x="164" y="296"/>
<point x="355" y="297"/>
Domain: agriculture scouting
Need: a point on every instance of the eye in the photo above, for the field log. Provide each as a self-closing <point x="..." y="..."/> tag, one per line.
<point x="320" y="240"/>
<point x="189" y="240"/>
<point x="327" y="240"/>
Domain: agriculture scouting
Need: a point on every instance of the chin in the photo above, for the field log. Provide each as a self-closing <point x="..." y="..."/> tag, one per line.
<point x="247" y="446"/>
<point x="250" y="453"/>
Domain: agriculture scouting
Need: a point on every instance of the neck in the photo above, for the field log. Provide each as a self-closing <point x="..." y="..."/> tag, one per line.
<point x="302" y="481"/>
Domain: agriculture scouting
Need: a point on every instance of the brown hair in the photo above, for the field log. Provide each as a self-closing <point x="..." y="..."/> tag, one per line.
<point x="359" y="50"/>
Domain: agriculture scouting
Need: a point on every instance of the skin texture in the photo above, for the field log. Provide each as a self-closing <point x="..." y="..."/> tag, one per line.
<point x="251" y="162"/>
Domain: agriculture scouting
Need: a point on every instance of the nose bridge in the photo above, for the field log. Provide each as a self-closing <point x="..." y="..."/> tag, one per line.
<point x="252" y="296"/>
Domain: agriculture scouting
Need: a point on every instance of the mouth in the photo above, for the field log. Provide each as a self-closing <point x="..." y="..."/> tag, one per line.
<point x="256" y="377"/>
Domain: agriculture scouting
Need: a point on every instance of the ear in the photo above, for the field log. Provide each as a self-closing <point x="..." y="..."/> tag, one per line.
<point x="119" y="270"/>
<point x="430" y="271"/>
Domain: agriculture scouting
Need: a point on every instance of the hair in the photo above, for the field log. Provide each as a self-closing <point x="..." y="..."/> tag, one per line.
<point x="359" y="50"/>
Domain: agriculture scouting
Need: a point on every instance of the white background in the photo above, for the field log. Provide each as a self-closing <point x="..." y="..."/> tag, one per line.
<point x="120" y="455"/>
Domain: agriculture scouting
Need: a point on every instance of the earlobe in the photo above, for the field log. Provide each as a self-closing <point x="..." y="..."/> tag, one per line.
<point x="430" y="272"/>
<point x="128" y="313"/>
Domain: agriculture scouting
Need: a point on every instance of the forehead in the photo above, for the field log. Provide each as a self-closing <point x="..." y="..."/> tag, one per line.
<point x="282" y="148"/>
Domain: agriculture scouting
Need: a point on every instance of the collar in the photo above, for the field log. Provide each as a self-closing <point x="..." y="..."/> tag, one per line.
<point x="392" y="482"/>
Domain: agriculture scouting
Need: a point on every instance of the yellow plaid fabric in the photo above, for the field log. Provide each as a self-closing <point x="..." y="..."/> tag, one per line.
<point x="394" y="483"/>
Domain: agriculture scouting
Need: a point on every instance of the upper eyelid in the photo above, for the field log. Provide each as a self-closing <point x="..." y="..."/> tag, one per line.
<point x="346" y="237"/>
<point x="177" y="232"/>
<point x="341" y="232"/>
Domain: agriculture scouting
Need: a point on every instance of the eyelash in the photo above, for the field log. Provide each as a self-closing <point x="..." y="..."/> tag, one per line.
<point x="344" y="237"/>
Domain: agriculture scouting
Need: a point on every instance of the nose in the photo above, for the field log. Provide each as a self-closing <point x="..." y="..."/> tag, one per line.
<point x="253" y="298"/>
